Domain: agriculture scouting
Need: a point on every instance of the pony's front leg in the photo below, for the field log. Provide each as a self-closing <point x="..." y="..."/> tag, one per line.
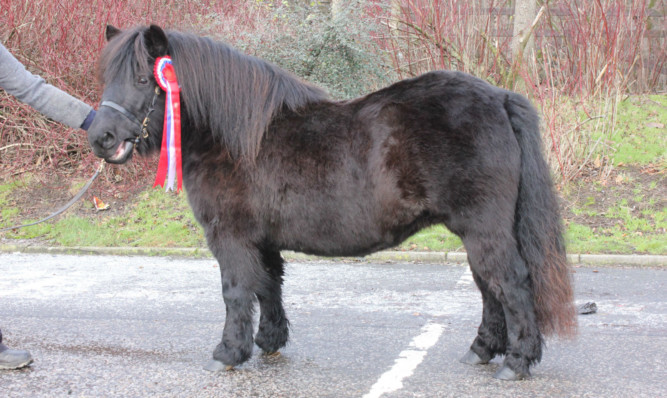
<point x="239" y="269"/>
<point x="273" y="324"/>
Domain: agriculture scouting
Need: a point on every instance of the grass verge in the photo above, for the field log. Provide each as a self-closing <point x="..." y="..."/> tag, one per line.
<point x="623" y="211"/>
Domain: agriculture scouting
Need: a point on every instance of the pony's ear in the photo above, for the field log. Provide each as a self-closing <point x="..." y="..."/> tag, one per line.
<point x="156" y="41"/>
<point x="111" y="31"/>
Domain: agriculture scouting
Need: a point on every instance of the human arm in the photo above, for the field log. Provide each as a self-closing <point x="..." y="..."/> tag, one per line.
<point x="43" y="97"/>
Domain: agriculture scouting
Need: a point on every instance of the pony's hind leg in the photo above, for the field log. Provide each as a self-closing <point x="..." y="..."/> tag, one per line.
<point x="496" y="261"/>
<point x="273" y="330"/>
<point x="491" y="337"/>
<point x="523" y="334"/>
<point x="240" y="270"/>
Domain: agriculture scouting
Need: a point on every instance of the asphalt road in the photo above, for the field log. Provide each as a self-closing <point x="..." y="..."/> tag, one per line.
<point x="145" y="326"/>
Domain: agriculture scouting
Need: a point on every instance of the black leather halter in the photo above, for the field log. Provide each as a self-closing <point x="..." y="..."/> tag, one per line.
<point x="143" y="126"/>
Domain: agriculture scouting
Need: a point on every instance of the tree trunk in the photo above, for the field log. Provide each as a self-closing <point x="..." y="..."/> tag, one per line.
<point x="336" y="7"/>
<point x="395" y="16"/>
<point x="524" y="15"/>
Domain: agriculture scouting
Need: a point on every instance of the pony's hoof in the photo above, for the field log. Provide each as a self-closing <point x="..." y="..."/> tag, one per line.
<point x="505" y="373"/>
<point x="273" y="354"/>
<point x="470" y="358"/>
<point x="216" y="366"/>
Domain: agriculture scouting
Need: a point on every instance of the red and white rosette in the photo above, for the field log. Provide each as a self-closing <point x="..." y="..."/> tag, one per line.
<point x="169" y="171"/>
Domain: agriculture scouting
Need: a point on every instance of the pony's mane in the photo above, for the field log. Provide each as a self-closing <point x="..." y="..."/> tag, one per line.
<point x="232" y="95"/>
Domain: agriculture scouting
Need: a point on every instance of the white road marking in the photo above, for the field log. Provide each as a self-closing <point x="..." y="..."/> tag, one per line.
<point x="466" y="279"/>
<point x="407" y="361"/>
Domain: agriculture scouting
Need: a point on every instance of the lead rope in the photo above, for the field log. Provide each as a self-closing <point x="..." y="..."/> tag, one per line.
<point x="68" y="205"/>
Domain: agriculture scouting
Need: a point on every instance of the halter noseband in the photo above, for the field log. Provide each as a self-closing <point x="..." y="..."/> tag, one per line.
<point x="143" y="126"/>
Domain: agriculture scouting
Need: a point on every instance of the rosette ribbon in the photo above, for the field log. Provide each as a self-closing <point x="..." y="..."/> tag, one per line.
<point x="169" y="171"/>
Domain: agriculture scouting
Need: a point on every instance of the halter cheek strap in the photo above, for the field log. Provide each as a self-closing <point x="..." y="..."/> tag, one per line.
<point x="122" y="110"/>
<point x="142" y="126"/>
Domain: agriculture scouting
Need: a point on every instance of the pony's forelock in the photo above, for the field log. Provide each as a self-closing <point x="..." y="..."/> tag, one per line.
<point x="124" y="57"/>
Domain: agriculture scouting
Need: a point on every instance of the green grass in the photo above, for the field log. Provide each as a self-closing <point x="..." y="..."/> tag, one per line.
<point x="582" y="239"/>
<point x="5" y="190"/>
<point x="640" y="137"/>
<point x="164" y="220"/>
<point x="8" y="212"/>
<point x="158" y="219"/>
<point x="436" y="238"/>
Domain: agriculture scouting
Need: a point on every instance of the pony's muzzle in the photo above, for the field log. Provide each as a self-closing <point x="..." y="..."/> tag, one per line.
<point x="122" y="153"/>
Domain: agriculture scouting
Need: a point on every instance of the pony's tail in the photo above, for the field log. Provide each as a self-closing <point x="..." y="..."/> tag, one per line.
<point x="538" y="229"/>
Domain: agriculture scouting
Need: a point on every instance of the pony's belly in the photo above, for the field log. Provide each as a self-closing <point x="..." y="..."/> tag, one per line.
<point x="335" y="249"/>
<point x="351" y="239"/>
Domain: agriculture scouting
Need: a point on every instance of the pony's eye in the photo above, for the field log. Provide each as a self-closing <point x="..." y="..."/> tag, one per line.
<point x="143" y="80"/>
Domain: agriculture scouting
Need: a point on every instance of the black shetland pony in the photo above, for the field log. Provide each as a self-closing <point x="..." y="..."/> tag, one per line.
<point x="270" y="163"/>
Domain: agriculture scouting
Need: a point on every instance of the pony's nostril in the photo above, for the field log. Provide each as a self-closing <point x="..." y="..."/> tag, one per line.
<point x="108" y="140"/>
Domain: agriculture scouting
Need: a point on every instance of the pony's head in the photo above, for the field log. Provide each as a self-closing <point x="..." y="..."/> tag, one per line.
<point x="224" y="93"/>
<point x="132" y="108"/>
